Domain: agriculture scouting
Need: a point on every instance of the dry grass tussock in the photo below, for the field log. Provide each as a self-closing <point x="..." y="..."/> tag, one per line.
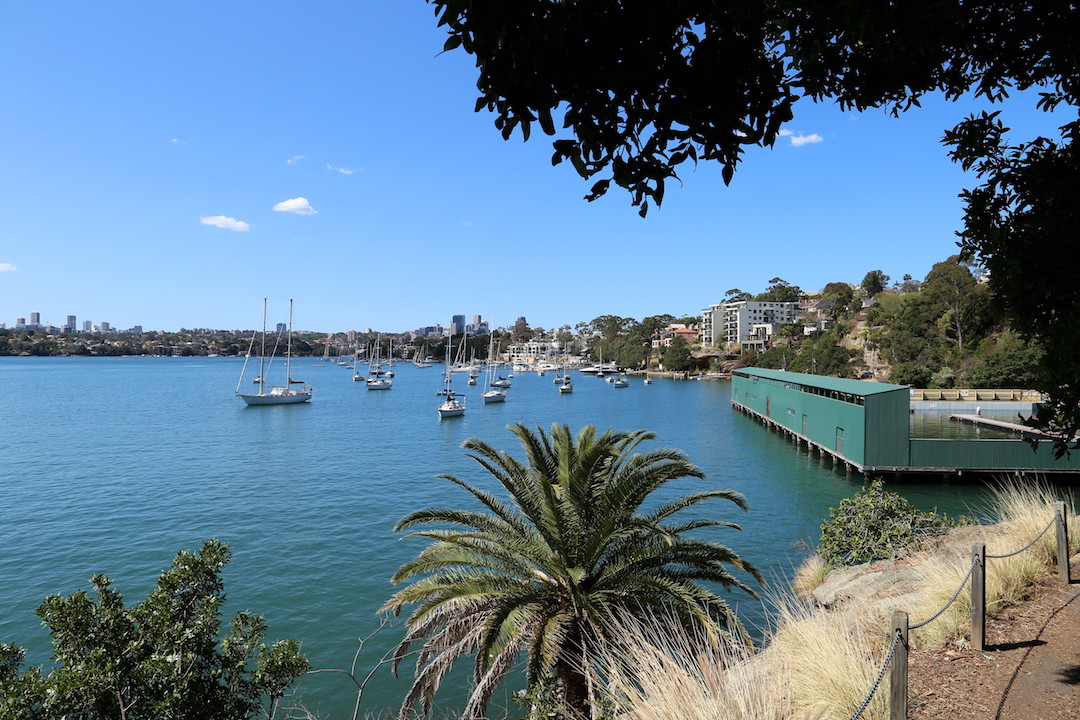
<point x="809" y="576"/>
<point x="1021" y="512"/>
<point x="819" y="664"/>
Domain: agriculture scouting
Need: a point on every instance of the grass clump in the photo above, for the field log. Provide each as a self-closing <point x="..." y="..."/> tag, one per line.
<point x="809" y="576"/>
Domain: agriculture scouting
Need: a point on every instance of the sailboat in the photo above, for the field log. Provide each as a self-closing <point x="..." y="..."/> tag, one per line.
<point x="498" y="381"/>
<point x="493" y="394"/>
<point x="376" y="377"/>
<point x="277" y="394"/>
<point x="420" y="357"/>
<point x="566" y="386"/>
<point x="451" y="407"/>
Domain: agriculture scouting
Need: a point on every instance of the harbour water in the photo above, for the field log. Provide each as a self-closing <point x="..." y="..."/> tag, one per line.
<point x="112" y="465"/>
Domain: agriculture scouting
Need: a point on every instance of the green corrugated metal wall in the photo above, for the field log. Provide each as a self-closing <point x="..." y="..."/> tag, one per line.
<point x="996" y="454"/>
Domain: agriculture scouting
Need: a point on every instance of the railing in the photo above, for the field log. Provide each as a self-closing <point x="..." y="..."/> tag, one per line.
<point x="921" y="394"/>
<point x="897" y="655"/>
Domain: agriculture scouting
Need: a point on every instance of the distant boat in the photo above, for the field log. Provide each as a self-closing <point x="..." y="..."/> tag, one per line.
<point x="494" y="393"/>
<point x="376" y="377"/>
<point x="451" y="407"/>
<point x="278" y="394"/>
<point x="620" y="382"/>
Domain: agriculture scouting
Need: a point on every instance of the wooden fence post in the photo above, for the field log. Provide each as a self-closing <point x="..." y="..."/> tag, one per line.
<point x="898" y="680"/>
<point x="978" y="596"/>
<point x="1062" y="544"/>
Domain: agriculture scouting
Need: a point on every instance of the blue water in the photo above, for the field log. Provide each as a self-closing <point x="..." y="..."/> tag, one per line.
<point x="111" y="465"/>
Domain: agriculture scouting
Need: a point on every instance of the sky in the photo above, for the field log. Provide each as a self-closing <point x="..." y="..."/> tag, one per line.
<point x="170" y="164"/>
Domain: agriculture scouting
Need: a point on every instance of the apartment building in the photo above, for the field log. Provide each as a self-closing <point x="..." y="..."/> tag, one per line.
<point x="745" y="324"/>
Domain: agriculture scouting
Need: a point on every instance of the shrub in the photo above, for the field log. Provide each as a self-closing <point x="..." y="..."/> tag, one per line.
<point x="910" y="373"/>
<point x="875" y="525"/>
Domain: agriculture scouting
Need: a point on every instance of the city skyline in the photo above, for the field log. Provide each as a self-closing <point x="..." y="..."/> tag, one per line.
<point x="174" y="165"/>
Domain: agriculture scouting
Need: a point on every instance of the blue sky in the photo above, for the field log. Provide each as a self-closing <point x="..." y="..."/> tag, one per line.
<point x="169" y="164"/>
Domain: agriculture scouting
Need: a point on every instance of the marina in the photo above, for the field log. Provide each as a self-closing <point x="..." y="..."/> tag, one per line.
<point x="97" y="478"/>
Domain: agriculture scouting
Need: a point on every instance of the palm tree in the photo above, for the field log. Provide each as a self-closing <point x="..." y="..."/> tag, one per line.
<point x="549" y="572"/>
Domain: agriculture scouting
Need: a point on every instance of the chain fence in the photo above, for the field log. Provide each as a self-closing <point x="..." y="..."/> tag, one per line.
<point x="897" y="634"/>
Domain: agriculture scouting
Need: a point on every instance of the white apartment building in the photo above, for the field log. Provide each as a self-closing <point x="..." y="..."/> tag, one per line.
<point x="746" y="324"/>
<point x="534" y="351"/>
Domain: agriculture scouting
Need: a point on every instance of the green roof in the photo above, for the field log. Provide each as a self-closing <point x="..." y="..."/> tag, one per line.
<point x="846" y="385"/>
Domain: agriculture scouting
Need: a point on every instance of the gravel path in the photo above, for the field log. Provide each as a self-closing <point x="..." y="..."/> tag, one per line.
<point x="1029" y="671"/>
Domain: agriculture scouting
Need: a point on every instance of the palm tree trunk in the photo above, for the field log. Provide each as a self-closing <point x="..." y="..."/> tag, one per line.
<point x="570" y="675"/>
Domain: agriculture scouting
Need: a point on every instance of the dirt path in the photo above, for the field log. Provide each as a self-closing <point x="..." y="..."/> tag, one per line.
<point x="1030" y="670"/>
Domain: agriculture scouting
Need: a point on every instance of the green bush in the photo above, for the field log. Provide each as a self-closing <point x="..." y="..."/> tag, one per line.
<point x="875" y="525"/>
<point x="911" y="373"/>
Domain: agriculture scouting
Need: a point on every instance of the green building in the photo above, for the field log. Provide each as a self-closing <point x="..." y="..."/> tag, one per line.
<point x="865" y="426"/>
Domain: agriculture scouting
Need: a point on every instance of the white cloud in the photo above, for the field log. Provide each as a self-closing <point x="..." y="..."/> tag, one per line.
<point x="468" y="223"/>
<point x="294" y="159"/>
<point x="298" y="205"/>
<point x="226" y="223"/>
<point x="177" y="141"/>
<point x="7" y="267"/>
<point x="344" y="171"/>
<point x="800" y="140"/>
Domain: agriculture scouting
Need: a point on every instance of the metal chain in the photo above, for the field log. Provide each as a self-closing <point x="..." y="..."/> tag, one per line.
<point x="956" y="594"/>
<point x="935" y="616"/>
<point x="877" y="682"/>
<point x="1037" y="538"/>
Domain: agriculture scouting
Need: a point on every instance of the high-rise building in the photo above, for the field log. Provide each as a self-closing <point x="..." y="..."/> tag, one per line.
<point x="457" y="325"/>
<point x="69" y="326"/>
<point x="105" y="327"/>
<point x="87" y="326"/>
<point x="282" y="328"/>
<point x="35" y="318"/>
<point x="20" y="322"/>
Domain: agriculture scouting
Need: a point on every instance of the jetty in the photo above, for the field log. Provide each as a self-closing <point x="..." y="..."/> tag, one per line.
<point x="1001" y="425"/>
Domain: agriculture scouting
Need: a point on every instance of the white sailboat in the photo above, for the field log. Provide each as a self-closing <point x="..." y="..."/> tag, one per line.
<point x="493" y="394"/>
<point x="285" y="394"/>
<point x="451" y="406"/>
<point x="377" y="379"/>
<point x="566" y="385"/>
<point x="420" y="357"/>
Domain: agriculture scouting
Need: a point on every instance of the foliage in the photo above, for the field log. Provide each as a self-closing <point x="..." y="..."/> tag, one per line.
<point x="159" y="659"/>
<point x="544" y="572"/>
<point x="780" y="290"/>
<point x="823" y="355"/>
<point x="677" y="356"/>
<point x="1021" y="225"/>
<point x="944" y="378"/>
<point x="875" y="525"/>
<point x="1009" y="363"/>
<point x="874" y="282"/>
<point x="838" y="296"/>
<point x="911" y="373"/>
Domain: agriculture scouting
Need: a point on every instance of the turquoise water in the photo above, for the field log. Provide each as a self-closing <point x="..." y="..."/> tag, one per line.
<point x="111" y="465"/>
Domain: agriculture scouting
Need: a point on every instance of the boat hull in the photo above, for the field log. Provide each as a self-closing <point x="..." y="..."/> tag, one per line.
<point x="494" y="397"/>
<point x="290" y="397"/>
<point x="451" y="410"/>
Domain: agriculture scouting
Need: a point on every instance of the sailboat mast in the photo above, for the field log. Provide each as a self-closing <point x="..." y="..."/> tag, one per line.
<point x="288" y="351"/>
<point x="262" y="352"/>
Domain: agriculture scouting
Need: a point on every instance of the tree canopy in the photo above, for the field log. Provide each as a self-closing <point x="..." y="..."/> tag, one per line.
<point x="159" y="659"/>
<point x="642" y="88"/>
